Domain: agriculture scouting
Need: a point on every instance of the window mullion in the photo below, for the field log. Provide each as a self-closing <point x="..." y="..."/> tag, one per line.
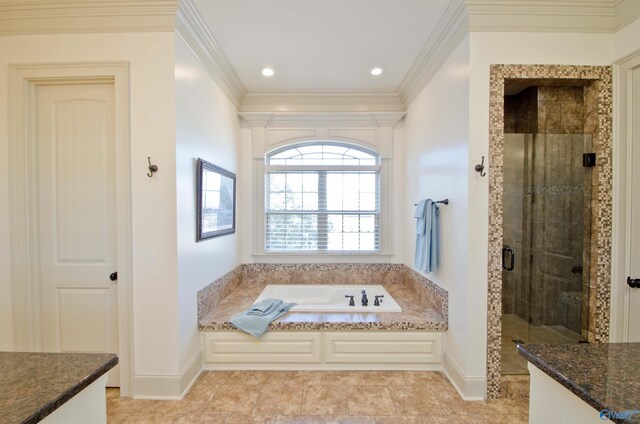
<point x="323" y="225"/>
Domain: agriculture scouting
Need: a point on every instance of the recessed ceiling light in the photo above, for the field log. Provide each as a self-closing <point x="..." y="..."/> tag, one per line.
<point x="267" y="72"/>
<point x="376" y="71"/>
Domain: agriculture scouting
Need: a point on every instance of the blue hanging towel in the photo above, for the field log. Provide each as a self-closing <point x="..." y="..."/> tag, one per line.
<point x="426" y="256"/>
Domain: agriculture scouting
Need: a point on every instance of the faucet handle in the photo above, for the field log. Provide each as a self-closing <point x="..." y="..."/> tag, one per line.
<point x="377" y="300"/>
<point x="351" y="301"/>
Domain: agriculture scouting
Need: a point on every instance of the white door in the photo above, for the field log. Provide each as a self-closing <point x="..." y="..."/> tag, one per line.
<point x="634" y="236"/>
<point x="77" y="218"/>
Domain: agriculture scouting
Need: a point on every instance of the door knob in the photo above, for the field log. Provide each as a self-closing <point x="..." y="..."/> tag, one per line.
<point x="113" y="276"/>
<point x="634" y="283"/>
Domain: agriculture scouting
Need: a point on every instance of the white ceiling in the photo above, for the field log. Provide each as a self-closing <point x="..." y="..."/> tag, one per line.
<point x="321" y="45"/>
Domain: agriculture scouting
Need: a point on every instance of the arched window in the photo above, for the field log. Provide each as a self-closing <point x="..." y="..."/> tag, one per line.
<point x="322" y="197"/>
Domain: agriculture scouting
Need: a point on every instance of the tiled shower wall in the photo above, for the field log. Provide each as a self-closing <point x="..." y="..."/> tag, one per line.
<point x="546" y="193"/>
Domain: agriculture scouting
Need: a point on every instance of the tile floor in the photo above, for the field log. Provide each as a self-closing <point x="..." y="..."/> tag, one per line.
<point x="514" y="327"/>
<point x="275" y="397"/>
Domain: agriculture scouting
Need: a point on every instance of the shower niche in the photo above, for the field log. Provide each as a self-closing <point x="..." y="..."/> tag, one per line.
<point x="548" y="180"/>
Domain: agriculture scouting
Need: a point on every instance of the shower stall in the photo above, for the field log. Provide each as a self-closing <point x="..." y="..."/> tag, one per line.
<point x="548" y="163"/>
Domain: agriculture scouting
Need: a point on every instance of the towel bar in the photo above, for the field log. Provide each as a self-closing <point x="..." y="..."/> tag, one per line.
<point x="444" y="202"/>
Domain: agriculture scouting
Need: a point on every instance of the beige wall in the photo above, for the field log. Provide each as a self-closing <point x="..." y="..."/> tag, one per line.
<point x="152" y="133"/>
<point x="505" y="48"/>
<point x="207" y="126"/>
<point x="177" y="115"/>
<point x="453" y="114"/>
<point x="437" y="166"/>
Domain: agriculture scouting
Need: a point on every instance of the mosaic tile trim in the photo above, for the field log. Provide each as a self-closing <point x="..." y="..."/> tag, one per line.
<point x="323" y="267"/>
<point x="556" y="190"/>
<point x="571" y="298"/>
<point x="345" y="273"/>
<point x="430" y="293"/>
<point x="338" y="326"/>
<point x="601" y="76"/>
<point x="213" y="294"/>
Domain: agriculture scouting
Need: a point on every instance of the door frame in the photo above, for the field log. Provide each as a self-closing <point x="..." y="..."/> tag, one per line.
<point x="24" y="80"/>
<point x="621" y="254"/>
<point x="601" y="237"/>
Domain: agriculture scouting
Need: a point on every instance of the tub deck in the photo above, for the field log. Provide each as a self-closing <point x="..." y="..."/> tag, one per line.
<point x="415" y="316"/>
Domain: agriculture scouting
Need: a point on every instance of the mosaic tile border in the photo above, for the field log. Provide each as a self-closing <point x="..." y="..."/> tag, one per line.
<point x="339" y="326"/>
<point x="209" y="296"/>
<point x="602" y="75"/>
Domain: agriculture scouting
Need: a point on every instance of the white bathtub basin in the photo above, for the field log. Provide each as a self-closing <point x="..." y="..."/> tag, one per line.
<point x="329" y="298"/>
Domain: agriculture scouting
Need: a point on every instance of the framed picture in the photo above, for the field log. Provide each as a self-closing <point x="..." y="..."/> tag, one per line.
<point x="216" y="198"/>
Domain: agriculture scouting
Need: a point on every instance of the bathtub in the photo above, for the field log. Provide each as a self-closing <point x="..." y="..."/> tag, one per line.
<point x="330" y="298"/>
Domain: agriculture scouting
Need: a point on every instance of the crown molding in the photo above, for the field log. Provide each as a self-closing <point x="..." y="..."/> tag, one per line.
<point x="194" y="31"/>
<point x="450" y="30"/>
<point x="19" y="17"/>
<point x="585" y="16"/>
<point x="626" y="12"/>
<point x="322" y="102"/>
<point x="464" y="16"/>
<point x="322" y="119"/>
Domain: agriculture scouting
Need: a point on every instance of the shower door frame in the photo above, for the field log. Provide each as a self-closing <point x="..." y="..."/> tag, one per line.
<point x="601" y="223"/>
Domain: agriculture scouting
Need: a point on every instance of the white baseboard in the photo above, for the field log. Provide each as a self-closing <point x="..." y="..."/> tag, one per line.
<point x="469" y="388"/>
<point x="168" y="387"/>
<point x="322" y="367"/>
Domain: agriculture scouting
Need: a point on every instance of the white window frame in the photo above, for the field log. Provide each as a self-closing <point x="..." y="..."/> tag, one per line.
<point x="383" y="168"/>
<point x="326" y="168"/>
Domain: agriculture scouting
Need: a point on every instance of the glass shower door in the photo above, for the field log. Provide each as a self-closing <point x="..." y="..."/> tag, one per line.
<point x="546" y="240"/>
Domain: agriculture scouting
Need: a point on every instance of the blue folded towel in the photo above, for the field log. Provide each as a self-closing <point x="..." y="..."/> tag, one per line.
<point x="264" y="307"/>
<point x="257" y="325"/>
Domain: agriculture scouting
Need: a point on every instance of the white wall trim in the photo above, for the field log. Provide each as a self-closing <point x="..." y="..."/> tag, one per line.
<point x="469" y="388"/>
<point x="194" y="31"/>
<point x="322" y="102"/>
<point x="449" y="32"/>
<point x="622" y="191"/>
<point x="271" y="130"/>
<point x="23" y="80"/>
<point x="168" y="386"/>
<point x="584" y="16"/>
<point x="626" y="11"/>
<point x="59" y="16"/>
<point x="322" y="119"/>
<point x="537" y="16"/>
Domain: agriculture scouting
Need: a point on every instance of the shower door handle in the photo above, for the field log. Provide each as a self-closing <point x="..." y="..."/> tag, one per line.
<point x="508" y="252"/>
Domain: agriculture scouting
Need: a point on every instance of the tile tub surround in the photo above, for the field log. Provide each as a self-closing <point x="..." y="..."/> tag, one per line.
<point x="215" y="292"/>
<point x="603" y="375"/>
<point x="36" y="384"/>
<point x="424" y="304"/>
<point x="415" y="314"/>
<point x="598" y="123"/>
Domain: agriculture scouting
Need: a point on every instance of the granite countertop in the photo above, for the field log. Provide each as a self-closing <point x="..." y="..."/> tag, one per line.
<point x="36" y="384"/>
<point x="606" y="376"/>
<point x="414" y="315"/>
